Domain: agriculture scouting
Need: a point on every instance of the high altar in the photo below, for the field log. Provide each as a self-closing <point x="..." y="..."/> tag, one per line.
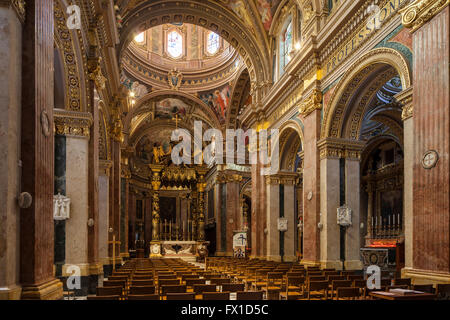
<point x="177" y="226"/>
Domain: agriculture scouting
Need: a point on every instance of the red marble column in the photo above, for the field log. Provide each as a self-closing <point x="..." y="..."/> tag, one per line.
<point x="93" y="173"/>
<point x="258" y="214"/>
<point x="116" y="191"/>
<point x="36" y="223"/>
<point x="233" y="211"/>
<point x="311" y="188"/>
<point x="431" y="187"/>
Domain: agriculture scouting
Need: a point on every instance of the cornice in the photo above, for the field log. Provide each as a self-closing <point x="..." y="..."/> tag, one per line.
<point x="419" y="12"/>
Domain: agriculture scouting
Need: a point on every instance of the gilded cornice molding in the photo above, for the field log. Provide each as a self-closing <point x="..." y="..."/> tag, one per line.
<point x="72" y="123"/>
<point x="420" y="11"/>
<point x="406" y="99"/>
<point x="17" y="5"/>
<point x="227" y="177"/>
<point x="314" y="102"/>
<point x="330" y="148"/>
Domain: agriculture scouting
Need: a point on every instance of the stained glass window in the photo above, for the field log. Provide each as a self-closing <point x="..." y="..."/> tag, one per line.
<point x="139" y="38"/>
<point x="212" y="44"/>
<point x="285" y="47"/>
<point x="175" y="44"/>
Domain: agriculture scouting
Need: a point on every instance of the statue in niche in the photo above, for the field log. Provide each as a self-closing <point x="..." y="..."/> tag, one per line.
<point x="61" y="207"/>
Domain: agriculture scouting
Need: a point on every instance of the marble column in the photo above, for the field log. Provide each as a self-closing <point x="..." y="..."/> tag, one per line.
<point x="10" y="110"/>
<point x="329" y="202"/>
<point x="36" y="222"/>
<point x="429" y="23"/>
<point x="272" y="215"/>
<point x="103" y="216"/>
<point x="220" y="212"/>
<point x="124" y="194"/>
<point x="352" y="199"/>
<point x="258" y="213"/>
<point x="60" y="188"/>
<point x="289" y="213"/>
<point x="95" y="268"/>
<point x="311" y="188"/>
<point x="232" y="208"/>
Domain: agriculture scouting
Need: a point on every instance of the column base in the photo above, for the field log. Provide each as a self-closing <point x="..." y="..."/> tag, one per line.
<point x="310" y="263"/>
<point x="425" y="276"/>
<point x="10" y="293"/>
<point x="51" y="290"/>
<point x="274" y="258"/>
<point x="290" y="258"/>
<point x="331" y="264"/>
<point x="353" y="265"/>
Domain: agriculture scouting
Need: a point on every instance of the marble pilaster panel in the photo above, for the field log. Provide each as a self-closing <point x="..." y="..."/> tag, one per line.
<point x="352" y="197"/>
<point x="10" y="109"/>
<point x="272" y="215"/>
<point x="289" y="213"/>
<point x="311" y="189"/>
<point x="329" y="202"/>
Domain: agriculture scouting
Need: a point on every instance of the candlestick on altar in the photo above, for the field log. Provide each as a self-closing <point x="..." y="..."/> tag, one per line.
<point x="170" y="230"/>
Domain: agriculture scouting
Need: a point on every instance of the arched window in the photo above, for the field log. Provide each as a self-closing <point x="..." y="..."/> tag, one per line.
<point x="212" y="44"/>
<point x="285" y="46"/>
<point x="175" y="44"/>
<point x="140" y="37"/>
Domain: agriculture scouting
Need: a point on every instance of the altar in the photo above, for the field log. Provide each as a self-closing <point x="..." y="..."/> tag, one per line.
<point x="186" y="250"/>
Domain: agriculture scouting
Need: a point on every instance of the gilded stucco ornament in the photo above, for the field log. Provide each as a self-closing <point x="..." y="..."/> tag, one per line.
<point x="314" y="102"/>
<point x="420" y="11"/>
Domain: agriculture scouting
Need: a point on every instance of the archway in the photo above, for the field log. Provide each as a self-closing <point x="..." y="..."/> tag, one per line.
<point x="291" y="189"/>
<point x="364" y="119"/>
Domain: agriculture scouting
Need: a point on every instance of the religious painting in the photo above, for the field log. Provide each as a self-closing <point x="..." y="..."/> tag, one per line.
<point x="238" y="7"/>
<point x="171" y="108"/>
<point x="168" y="208"/>
<point x="138" y="88"/>
<point x="264" y="8"/>
<point x="391" y="206"/>
<point x="218" y="100"/>
<point x="153" y="147"/>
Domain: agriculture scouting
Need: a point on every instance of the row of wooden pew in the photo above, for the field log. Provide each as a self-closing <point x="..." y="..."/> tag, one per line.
<point x="297" y="282"/>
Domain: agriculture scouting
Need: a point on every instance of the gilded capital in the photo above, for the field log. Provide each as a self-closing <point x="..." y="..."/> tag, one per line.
<point x="421" y="11"/>
<point x="314" y="102"/>
<point x="72" y="123"/>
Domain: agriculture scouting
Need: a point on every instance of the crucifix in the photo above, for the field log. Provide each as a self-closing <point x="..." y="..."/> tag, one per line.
<point x="114" y="242"/>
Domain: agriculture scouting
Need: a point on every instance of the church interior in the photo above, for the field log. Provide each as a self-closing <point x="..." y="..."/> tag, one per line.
<point x="352" y="98"/>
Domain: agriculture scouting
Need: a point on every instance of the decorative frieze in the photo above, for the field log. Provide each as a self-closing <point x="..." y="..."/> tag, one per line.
<point x="72" y="123"/>
<point x="420" y="11"/>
